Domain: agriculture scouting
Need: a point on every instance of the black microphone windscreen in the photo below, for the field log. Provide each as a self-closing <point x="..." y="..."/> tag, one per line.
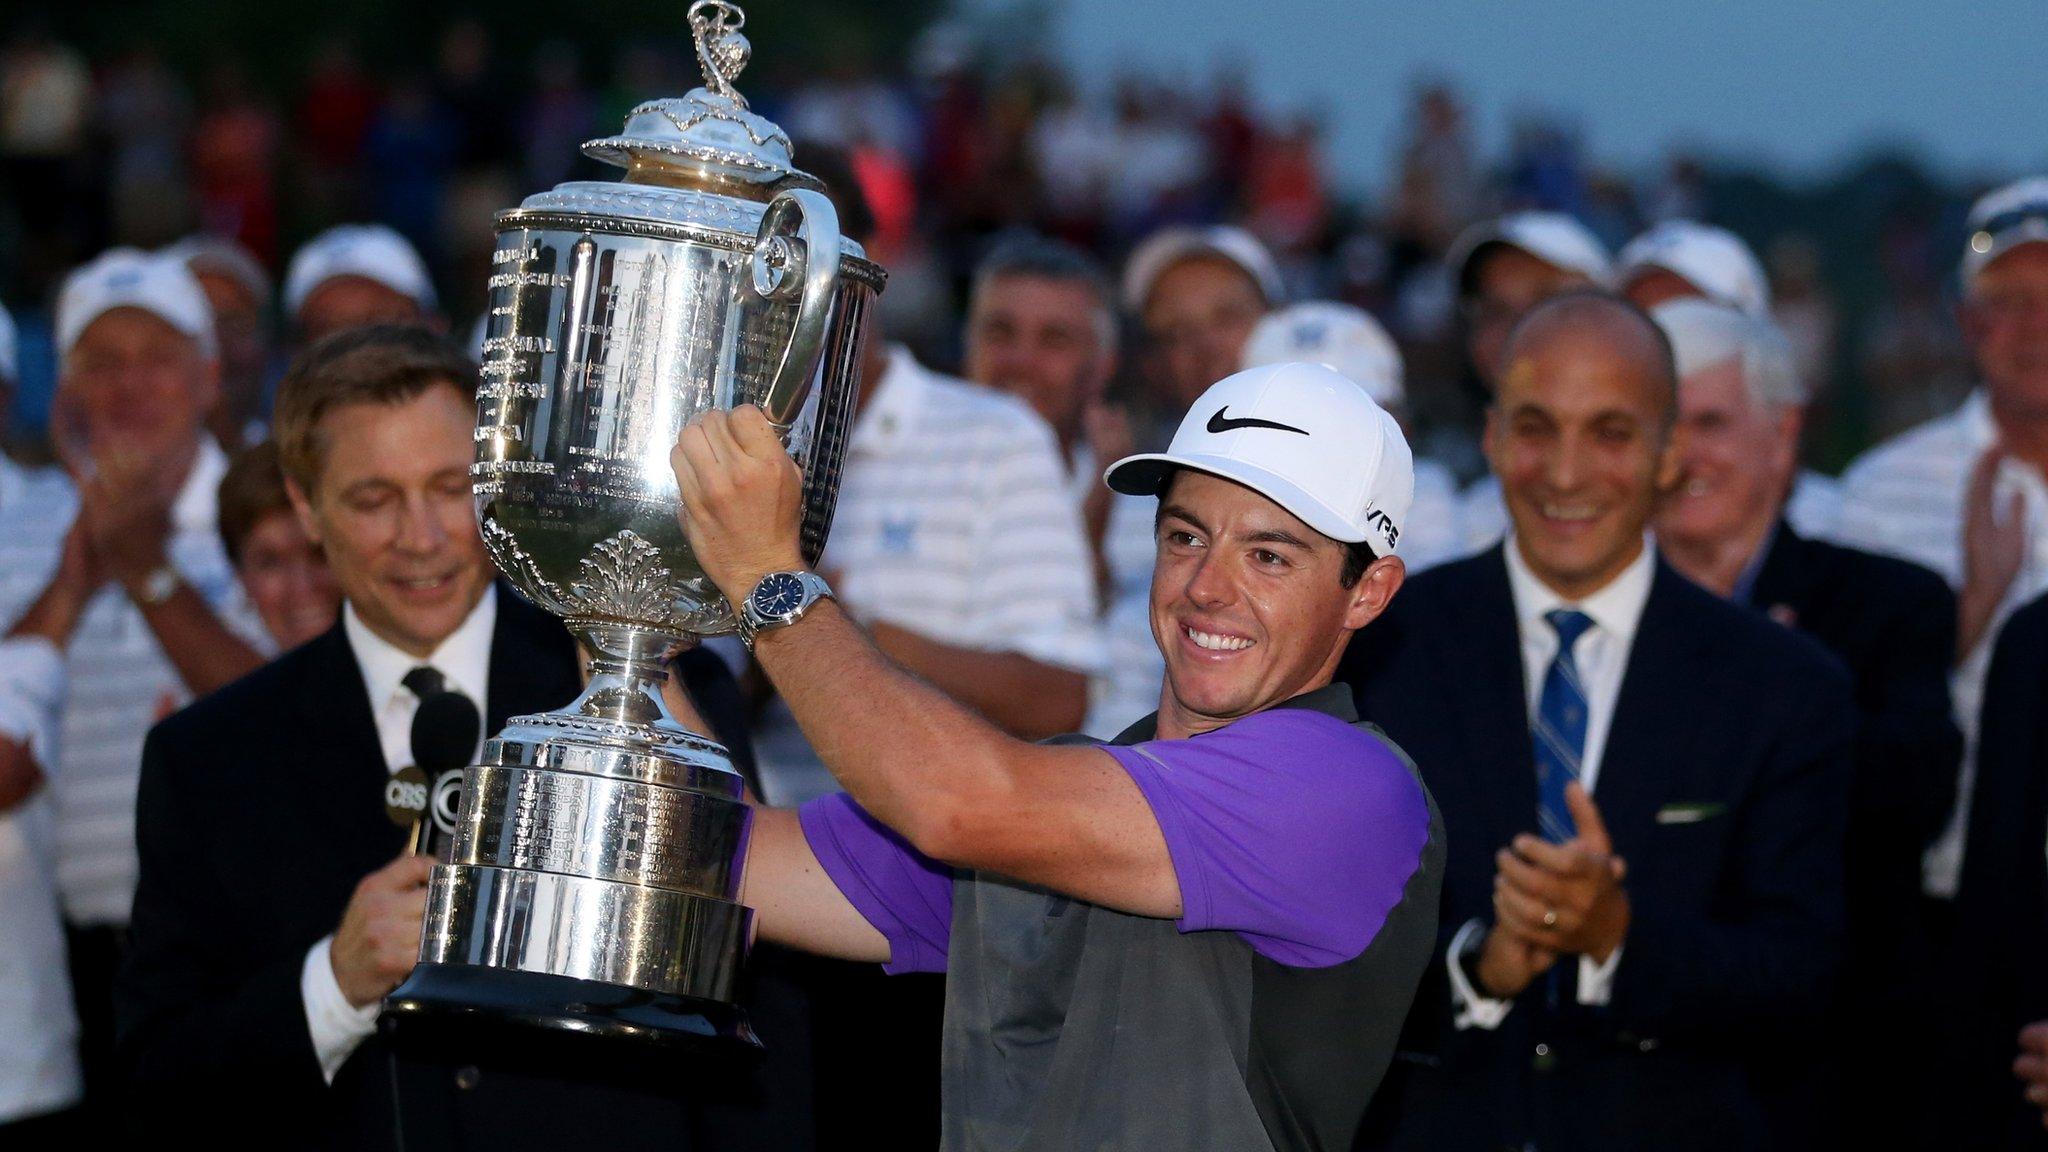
<point x="444" y="732"/>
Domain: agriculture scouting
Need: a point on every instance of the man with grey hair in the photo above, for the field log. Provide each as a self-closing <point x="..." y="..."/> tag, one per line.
<point x="1892" y="625"/>
<point x="1041" y="326"/>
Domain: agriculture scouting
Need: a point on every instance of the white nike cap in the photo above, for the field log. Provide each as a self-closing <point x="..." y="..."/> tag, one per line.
<point x="2002" y="220"/>
<point x="1169" y="246"/>
<point x="1552" y="237"/>
<point x="131" y="278"/>
<point x="370" y="251"/>
<point x="1713" y="260"/>
<point x="1337" y="336"/>
<point x="1301" y="435"/>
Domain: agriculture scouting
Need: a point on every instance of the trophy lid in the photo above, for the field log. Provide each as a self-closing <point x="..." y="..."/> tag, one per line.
<point x="707" y="139"/>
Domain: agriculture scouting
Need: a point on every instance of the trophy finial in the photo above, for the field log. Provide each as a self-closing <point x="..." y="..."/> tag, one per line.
<point x="721" y="51"/>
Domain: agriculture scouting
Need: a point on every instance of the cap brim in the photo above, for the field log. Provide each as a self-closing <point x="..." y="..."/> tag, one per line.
<point x="2017" y="238"/>
<point x="1149" y="473"/>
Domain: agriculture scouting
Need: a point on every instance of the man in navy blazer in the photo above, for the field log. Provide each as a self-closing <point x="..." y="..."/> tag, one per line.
<point x="1998" y="1025"/>
<point x="1644" y="789"/>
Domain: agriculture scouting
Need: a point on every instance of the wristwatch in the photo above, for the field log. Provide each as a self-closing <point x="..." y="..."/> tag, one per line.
<point x="157" y="586"/>
<point x="779" y="600"/>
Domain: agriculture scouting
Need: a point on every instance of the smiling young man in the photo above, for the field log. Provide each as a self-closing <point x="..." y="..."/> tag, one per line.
<point x="1644" y="788"/>
<point x="1202" y="935"/>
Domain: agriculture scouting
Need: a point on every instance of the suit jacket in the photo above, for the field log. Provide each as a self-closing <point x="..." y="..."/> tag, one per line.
<point x="1893" y="625"/>
<point x="259" y="810"/>
<point x="1723" y="785"/>
<point x="1999" y="982"/>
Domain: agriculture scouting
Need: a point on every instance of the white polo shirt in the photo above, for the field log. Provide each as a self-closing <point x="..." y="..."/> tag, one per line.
<point x="1905" y="498"/>
<point x="954" y="522"/>
<point x="116" y="684"/>
<point x="38" y="1030"/>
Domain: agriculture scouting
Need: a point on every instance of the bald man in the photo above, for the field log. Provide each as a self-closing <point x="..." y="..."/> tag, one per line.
<point x="1644" y="789"/>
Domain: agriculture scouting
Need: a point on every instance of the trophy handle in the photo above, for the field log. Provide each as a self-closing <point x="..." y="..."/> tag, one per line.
<point x="796" y="257"/>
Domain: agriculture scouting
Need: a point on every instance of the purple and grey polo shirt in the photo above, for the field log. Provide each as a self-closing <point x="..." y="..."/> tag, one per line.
<point x="1309" y="857"/>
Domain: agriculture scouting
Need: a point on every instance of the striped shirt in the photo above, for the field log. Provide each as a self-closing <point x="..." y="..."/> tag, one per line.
<point x="954" y="522"/>
<point x="1905" y="498"/>
<point x="118" y="683"/>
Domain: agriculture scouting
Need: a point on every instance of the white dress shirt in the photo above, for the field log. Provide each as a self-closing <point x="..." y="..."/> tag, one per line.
<point x="1906" y="498"/>
<point x="1601" y="654"/>
<point x="954" y="522"/>
<point x="464" y="659"/>
<point x="38" y="1030"/>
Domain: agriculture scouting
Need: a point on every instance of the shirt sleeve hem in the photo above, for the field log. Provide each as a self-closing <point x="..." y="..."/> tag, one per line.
<point x="908" y="951"/>
<point x="1469" y="1009"/>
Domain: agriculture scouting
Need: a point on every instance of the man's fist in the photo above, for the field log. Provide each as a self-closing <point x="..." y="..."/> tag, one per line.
<point x="742" y="498"/>
<point x="379" y="938"/>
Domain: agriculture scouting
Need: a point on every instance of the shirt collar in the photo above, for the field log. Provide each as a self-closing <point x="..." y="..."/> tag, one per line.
<point x="890" y="415"/>
<point x="1979" y="430"/>
<point x="197" y="506"/>
<point x="1616" y="609"/>
<point x="464" y="657"/>
<point x="1332" y="699"/>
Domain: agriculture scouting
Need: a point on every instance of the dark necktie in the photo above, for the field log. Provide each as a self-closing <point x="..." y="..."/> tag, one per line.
<point x="424" y="681"/>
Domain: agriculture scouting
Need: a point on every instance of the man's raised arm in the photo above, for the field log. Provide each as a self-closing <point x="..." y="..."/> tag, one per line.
<point x="959" y="790"/>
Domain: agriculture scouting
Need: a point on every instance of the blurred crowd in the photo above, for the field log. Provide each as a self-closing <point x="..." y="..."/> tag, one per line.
<point x="962" y="143"/>
<point x="244" y="372"/>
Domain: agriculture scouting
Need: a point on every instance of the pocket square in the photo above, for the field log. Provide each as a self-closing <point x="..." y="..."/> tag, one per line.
<point x="1689" y="813"/>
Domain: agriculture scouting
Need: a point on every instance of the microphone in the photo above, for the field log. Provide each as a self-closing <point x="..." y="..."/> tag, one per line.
<point x="444" y="735"/>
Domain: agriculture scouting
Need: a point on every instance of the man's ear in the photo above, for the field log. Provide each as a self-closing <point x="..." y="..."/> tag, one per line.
<point x="1374" y="591"/>
<point x="1671" y="460"/>
<point x="302" y="507"/>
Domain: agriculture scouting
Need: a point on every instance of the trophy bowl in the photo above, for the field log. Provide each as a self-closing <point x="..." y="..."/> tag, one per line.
<point x="593" y="875"/>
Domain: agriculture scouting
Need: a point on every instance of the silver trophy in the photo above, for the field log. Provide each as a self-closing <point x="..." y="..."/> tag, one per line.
<point x="594" y="875"/>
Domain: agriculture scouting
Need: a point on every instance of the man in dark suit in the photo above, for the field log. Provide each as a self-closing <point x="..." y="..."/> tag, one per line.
<point x="278" y="904"/>
<point x="1999" y="979"/>
<point x="1608" y="968"/>
<point x="1741" y="404"/>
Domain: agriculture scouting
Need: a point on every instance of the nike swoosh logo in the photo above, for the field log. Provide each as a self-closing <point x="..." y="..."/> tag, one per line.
<point x="1221" y="423"/>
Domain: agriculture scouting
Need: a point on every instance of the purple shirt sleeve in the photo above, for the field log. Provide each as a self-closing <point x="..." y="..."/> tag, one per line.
<point x="906" y="895"/>
<point x="1289" y="827"/>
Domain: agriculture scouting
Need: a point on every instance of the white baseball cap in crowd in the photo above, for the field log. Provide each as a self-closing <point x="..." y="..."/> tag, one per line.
<point x="1338" y="336"/>
<point x="1713" y="260"/>
<point x="1171" y="245"/>
<point x="371" y="251"/>
<point x="131" y="278"/>
<point x="10" y="349"/>
<point x="202" y="253"/>
<point x="1303" y="436"/>
<point x="2002" y="220"/>
<point x="1552" y="237"/>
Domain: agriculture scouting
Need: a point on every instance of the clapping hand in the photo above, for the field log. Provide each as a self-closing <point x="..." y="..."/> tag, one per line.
<point x="1564" y="898"/>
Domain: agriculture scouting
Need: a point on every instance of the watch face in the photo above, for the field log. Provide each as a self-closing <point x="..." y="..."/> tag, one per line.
<point x="778" y="594"/>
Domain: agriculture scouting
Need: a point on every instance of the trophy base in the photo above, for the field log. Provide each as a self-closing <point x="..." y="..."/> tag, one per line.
<point x="472" y="996"/>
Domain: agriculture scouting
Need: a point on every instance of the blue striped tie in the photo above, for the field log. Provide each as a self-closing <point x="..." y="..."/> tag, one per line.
<point x="1560" y="730"/>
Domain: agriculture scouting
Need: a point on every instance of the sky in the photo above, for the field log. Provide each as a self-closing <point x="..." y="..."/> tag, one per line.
<point x="1799" y="86"/>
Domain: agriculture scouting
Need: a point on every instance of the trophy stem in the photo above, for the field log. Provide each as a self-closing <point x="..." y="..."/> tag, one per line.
<point x="628" y="667"/>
